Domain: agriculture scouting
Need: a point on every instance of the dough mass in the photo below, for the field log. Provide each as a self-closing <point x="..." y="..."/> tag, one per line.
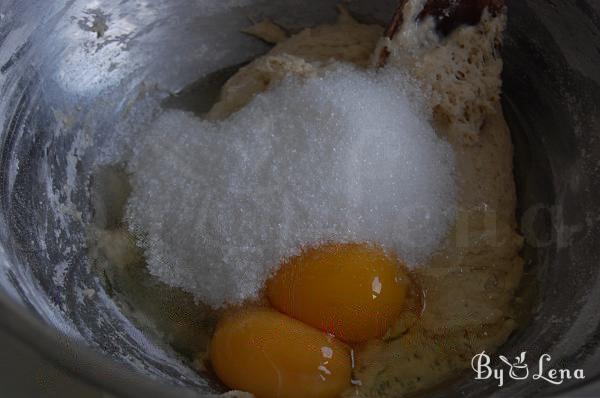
<point x="469" y="285"/>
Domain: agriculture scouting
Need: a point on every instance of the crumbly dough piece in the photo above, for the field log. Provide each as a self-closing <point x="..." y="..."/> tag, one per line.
<point x="469" y="285"/>
<point x="467" y="86"/>
<point x="267" y="31"/>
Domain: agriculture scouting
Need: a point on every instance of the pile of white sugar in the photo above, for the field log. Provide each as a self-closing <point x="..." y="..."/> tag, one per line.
<point x="346" y="156"/>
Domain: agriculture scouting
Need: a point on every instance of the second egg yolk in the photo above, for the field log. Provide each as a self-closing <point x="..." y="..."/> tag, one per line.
<point x="353" y="291"/>
<point x="271" y="355"/>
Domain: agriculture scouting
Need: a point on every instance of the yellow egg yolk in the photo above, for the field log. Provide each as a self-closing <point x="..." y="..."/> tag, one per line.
<point x="353" y="291"/>
<point x="269" y="354"/>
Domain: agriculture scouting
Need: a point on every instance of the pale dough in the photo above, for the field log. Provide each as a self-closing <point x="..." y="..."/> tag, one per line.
<point x="469" y="285"/>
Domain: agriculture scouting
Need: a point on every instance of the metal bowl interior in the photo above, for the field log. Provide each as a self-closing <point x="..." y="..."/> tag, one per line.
<point x="74" y="75"/>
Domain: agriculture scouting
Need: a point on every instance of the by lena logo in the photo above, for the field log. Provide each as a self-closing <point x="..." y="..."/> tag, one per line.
<point x="519" y="370"/>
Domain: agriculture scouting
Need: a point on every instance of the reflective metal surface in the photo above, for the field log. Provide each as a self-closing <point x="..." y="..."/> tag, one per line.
<point x="75" y="74"/>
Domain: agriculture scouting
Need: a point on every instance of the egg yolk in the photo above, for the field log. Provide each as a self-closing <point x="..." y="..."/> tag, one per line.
<point x="353" y="291"/>
<point x="269" y="354"/>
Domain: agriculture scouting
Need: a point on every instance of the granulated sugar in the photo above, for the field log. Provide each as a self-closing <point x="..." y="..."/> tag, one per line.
<point x="347" y="156"/>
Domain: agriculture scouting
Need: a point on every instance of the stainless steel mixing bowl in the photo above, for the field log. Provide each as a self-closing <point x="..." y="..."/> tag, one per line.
<point x="72" y="71"/>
